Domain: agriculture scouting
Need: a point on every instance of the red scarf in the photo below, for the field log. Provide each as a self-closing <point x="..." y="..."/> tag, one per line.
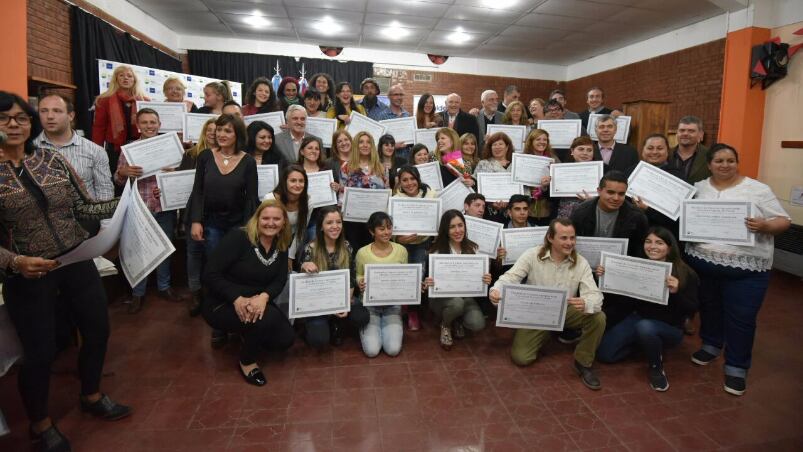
<point x="117" y="119"/>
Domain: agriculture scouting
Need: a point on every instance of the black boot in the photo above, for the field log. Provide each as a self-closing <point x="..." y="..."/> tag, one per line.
<point x="195" y="303"/>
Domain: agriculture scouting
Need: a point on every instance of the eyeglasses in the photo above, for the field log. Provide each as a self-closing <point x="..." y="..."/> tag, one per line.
<point x="21" y="118"/>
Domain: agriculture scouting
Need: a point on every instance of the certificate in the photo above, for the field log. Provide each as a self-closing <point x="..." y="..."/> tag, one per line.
<point x="570" y="179"/>
<point x="498" y="186"/>
<point x="591" y="248"/>
<point x="516" y="241"/>
<point x="454" y="195"/>
<point x="193" y="125"/>
<point x="314" y="294"/>
<point x="427" y="138"/>
<point x="175" y="188"/>
<point x="320" y="191"/>
<point x="659" y="189"/>
<point x="634" y="277"/>
<point x="275" y="119"/>
<point x="360" y="203"/>
<point x="322" y="128"/>
<point x="716" y="221"/>
<point x="391" y="285"/>
<point x="402" y="129"/>
<point x="153" y="154"/>
<point x="532" y="307"/>
<point x="171" y="114"/>
<point x="361" y="123"/>
<point x="622" y="127"/>
<point x="431" y="175"/>
<point x="267" y="179"/>
<point x="517" y="134"/>
<point x="529" y="169"/>
<point x="486" y="234"/>
<point x="457" y="275"/>
<point x="415" y="215"/>
<point x="561" y="131"/>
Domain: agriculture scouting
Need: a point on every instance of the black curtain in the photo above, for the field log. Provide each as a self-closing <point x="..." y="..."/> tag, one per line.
<point x="94" y="39"/>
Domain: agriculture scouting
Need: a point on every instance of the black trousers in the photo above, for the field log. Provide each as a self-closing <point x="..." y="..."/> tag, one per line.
<point x="32" y="306"/>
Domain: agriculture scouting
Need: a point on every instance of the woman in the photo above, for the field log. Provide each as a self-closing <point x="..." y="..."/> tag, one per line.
<point x="341" y="151"/>
<point x="175" y="91"/>
<point x="331" y="251"/>
<point x="515" y="114"/>
<point x="292" y="192"/>
<point x="216" y="94"/>
<point x="324" y="84"/>
<point x="312" y="103"/>
<point x="652" y="327"/>
<point x="420" y="154"/>
<point x="288" y="93"/>
<point x="310" y="157"/>
<point x="260" y="145"/>
<point x="387" y="155"/>
<point x="426" y="116"/>
<point x="496" y="158"/>
<point x="542" y="208"/>
<point x="656" y="152"/>
<point x="448" y="144"/>
<point x="460" y="313"/>
<point x="42" y="201"/>
<point x="243" y="277"/>
<point x="362" y="171"/>
<point x="536" y="108"/>
<point x="343" y="104"/>
<point x="734" y="279"/>
<point x="470" y="152"/>
<point x="259" y="98"/>
<point x="384" y="329"/>
<point x="581" y="150"/>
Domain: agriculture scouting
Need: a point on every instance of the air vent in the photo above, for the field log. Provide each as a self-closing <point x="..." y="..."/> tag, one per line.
<point x="422" y="77"/>
<point x="789" y="251"/>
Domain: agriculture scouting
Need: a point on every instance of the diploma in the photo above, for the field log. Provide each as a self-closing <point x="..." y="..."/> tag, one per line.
<point x="193" y="125"/>
<point x="319" y="189"/>
<point x="591" y="248"/>
<point x="360" y="203"/>
<point x="427" y="138"/>
<point x="716" y="221"/>
<point x="314" y="294"/>
<point x="659" y="189"/>
<point x="402" y="129"/>
<point x="516" y="241"/>
<point x="622" y="127"/>
<point x="561" y="131"/>
<point x="532" y="307"/>
<point x="634" y="277"/>
<point x="431" y="175"/>
<point x="323" y="128"/>
<point x="171" y="114"/>
<point x="267" y="179"/>
<point x="498" y="186"/>
<point x="153" y="154"/>
<point x="175" y="188"/>
<point x="275" y="119"/>
<point x="529" y="169"/>
<point x="454" y="195"/>
<point x="517" y="134"/>
<point x="415" y="215"/>
<point x="361" y="123"/>
<point x="391" y="285"/>
<point x="486" y="234"/>
<point x="457" y="275"/>
<point x="570" y="179"/>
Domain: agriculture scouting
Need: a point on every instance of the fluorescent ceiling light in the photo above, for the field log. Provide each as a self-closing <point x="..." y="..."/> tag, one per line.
<point x="328" y="26"/>
<point x="256" y="20"/>
<point x="458" y="36"/>
<point x="395" y="31"/>
<point x="498" y="4"/>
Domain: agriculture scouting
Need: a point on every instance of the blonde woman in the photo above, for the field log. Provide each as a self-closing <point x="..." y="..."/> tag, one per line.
<point x="364" y="170"/>
<point x="175" y="91"/>
<point x="448" y="143"/>
<point x="515" y="114"/>
<point x="215" y="95"/>
<point x="541" y="209"/>
<point x="471" y="152"/>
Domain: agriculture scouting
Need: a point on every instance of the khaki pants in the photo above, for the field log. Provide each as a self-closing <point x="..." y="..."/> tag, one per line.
<point x="527" y="343"/>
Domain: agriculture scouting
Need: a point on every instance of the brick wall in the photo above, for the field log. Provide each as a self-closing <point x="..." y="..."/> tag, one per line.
<point x="49" y="52"/>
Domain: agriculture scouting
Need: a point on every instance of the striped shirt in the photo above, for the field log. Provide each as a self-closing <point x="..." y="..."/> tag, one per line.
<point x="89" y="161"/>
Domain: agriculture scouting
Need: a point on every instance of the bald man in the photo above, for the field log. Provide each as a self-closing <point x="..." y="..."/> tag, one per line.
<point x="457" y="119"/>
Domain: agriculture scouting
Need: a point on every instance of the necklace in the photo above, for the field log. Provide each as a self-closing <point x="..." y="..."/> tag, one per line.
<point x="226" y="158"/>
<point x="266" y="262"/>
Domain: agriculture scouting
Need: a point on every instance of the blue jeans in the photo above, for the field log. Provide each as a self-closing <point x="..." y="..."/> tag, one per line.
<point x="417" y="254"/>
<point x="212" y="236"/>
<point x="730" y="299"/>
<point x="317" y="335"/>
<point x="383" y="332"/>
<point x="650" y="335"/>
<point x="167" y="221"/>
<point x="195" y="263"/>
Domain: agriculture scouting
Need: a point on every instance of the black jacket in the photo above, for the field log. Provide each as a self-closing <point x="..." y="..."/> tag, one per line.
<point x="585" y="115"/>
<point x="631" y="224"/>
<point x="624" y="158"/>
<point x="463" y="123"/>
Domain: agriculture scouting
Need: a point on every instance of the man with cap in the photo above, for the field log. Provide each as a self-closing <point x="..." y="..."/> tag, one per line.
<point x="374" y="108"/>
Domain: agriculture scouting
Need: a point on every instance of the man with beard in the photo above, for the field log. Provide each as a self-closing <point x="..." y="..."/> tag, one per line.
<point x="374" y="108"/>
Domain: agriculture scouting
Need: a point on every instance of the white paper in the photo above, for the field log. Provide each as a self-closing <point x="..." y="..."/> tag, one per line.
<point x="516" y="241"/>
<point x="267" y="179"/>
<point x="716" y="221"/>
<point x="361" y="123"/>
<point x="529" y="169"/>
<point x="402" y="129"/>
<point x="153" y="154"/>
<point x="360" y="203"/>
<point x="498" y="186"/>
<point x="171" y="114"/>
<point x="275" y="119"/>
<point x="320" y="189"/>
<point x="175" y="188"/>
<point x="591" y="247"/>
<point x="454" y="195"/>
<point x="392" y="285"/>
<point x="314" y="294"/>
<point x="431" y="175"/>
<point x="193" y="125"/>
<point x="322" y="128"/>
<point x="427" y="138"/>
<point x="643" y="279"/>
<point x="415" y="215"/>
<point x="561" y="131"/>
<point x="570" y="179"/>
<point x="486" y="234"/>
<point x="532" y="307"/>
<point x="622" y="127"/>
<point x="517" y="134"/>
<point x="659" y="189"/>
<point x="457" y="275"/>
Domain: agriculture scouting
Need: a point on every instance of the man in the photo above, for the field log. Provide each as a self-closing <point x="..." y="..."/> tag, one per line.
<point x="560" y="96"/>
<point x="616" y="156"/>
<point x="554" y="110"/>
<point x="511" y="93"/>
<point x="289" y="142"/>
<point x="455" y="118"/>
<point x="374" y="108"/>
<point x="689" y="155"/>
<point x="395" y="111"/>
<point x="518" y="209"/>
<point x="231" y="107"/>
<point x="557" y="264"/>
<point x="594" y="100"/>
<point x="88" y="159"/>
<point x="487" y="115"/>
<point x="474" y="205"/>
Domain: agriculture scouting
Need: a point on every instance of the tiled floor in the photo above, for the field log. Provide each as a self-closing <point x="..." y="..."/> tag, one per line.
<point x="189" y="397"/>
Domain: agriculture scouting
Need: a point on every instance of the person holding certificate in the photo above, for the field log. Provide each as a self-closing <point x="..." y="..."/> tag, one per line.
<point x="292" y="192"/>
<point x="616" y="156"/>
<point x="557" y="264"/>
<point x="364" y="170"/>
<point x="542" y="207"/>
<point x="652" y="327"/>
<point x="343" y="104"/>
<point x="581" y="150"/>
<point x="426" y="116"/>
<point x="734" y="278"/>
<point x="384" y="329"/>
<point x="387" y="155"/>
<point x="515" y="114"/>
<point x="312" y="103"/>
<point x="243" y="277"/>
<point x="175" y="91"/>
<point x="450" y="157"/>
<point x="470" y="152"/>
<point x="420" y="154"/>
<point x="261" y="145"/>
<point x="656" y="152"/>
<point x="497" y="156"/>
<point x="324" y="84"/>
<point x="259" y="98"/>
<point x="310" y="157"/>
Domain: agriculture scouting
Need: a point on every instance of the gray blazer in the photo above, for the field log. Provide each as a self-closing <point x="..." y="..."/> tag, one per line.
<point x="284" y="144"/>
<point x="483" y="126"/>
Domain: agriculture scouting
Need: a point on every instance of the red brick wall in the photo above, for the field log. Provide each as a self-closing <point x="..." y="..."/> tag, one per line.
<point x="49" y="53"/>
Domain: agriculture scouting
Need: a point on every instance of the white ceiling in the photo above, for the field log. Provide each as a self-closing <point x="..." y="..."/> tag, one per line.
<point x="557" y="32"/>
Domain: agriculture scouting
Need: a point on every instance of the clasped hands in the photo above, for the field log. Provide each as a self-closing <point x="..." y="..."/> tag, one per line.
<point x="251" y="309"/>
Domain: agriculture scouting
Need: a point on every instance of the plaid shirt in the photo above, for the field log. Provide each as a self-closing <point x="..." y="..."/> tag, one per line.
<point x="144" y="184"/>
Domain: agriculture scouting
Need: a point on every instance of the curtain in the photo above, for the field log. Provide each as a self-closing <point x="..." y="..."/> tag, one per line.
<point x="93" y="39"/>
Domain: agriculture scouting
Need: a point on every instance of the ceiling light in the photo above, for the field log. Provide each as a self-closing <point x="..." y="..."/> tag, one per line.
<point x="256" y="20"/>
<point x="328" y="26"/>
<point x="395" y="31"/>
<point x="459" y="36"/>
<point x="498" y="4"/>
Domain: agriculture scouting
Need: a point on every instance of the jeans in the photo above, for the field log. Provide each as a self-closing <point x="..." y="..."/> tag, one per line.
<point x="650" y="335"/>
<point x="527" y="343"/>
<point x="317" y="335"/>
<point x="452" y="309"/>
<point x="417" y="254"/>
<point x="195" y="263"/>
<point x="167" y="221"/>
<point x="383" y="332"/>
<point x="212" y="236"/>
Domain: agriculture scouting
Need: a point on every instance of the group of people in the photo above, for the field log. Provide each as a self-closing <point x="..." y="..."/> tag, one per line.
<point x="57" y="186"/>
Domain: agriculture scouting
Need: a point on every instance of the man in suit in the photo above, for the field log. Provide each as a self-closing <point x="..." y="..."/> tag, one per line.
<point x="511" y="94"/>
<point x="616" y="156"/>
<point x="689" y="155"/>
<point x="457" y="119"/>
<point x="487" y="115"/>
<point x="289" y="142"/>
<point x="595" y="99"/>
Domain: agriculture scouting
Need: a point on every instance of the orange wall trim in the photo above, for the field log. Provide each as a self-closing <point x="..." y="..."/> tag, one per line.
<point x="14" y="51"/>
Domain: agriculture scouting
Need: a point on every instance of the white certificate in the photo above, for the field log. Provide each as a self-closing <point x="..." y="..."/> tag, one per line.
<point x="153" y="154"/>
<point x="415" y="215"/>
<point x="498" y="186"/>
<point x="175" y="188"/>
<point x="320" y="189"/>
<point x="322" y="128"/>
<point x="591" y="248"/>
<point x="716" y="221"/>
<point x="622" y="127"/>
<point x="561" y="131"/>
<point x="427" y="138"/>
<point x="391" y="285"/>
<point x="275" y="119"/>
<point x="171" y="114"/>
<point x="193" y="125"/>
<point x="529" y="169"/>
<point x="361" y="123"/>
<point x="454" y="195"/>
<point x="517" y="134"/>
<point x="360" y="203"/>
<point x="516" y="241"/>
<point x="431" y="175"/>
<point x="486" y="234"/>
<point x="267" y="179"/>
<point x="457" y="275"/>
<point x="659" y="189"/>
<point x="570" y="179"/>
<point x="532" y="307"/>
<point x="314" y="294"/>
<point x="634" y="277"/>
<point x="402" y="129"/>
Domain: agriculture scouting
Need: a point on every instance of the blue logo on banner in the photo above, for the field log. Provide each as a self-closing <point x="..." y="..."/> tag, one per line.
<point x="151" y="72"/>
<point x="152" y="90"/>
<point x="234" y="94"/>
<point x="108" y="65"/>
<point x="189" y="78"/>
<point x="189" y="94"/>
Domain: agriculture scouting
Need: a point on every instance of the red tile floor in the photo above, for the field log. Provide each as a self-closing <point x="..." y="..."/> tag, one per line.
<point x="188" y="397"/>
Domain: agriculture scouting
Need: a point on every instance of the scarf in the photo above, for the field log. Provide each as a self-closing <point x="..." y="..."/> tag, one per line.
<point x="117" y="120"/>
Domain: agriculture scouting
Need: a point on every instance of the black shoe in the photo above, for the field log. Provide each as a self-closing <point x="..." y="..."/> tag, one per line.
<point x="588" y="376"/>
<point x="702" y="357"/>
<point x="336" y="332"/>
<point x="658" y="379"/>
<point x="169" y="295"/>
<point x="255" y="377"/>
<point x="735" y="385"/>
<point x="51" y="440"/>
<point x="195" y="303"/>
<point x="135" y="305"/>
<point x="569" y="336"/>
<point x="105" y="408"/>
<point x="219" y="339"/>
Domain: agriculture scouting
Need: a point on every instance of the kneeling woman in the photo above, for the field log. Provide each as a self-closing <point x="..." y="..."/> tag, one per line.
<point x="244" y="276"/>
